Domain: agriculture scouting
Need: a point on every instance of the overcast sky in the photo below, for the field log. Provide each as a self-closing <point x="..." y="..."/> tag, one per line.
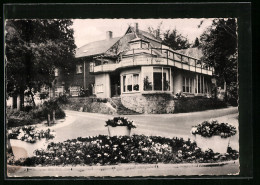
<point x="89" y="30"/>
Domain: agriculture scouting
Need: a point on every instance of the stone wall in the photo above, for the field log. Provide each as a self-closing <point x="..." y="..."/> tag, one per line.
<point x="165" y="103"/>
<point x="149" y="103"/>
<point x="85" y="104"/>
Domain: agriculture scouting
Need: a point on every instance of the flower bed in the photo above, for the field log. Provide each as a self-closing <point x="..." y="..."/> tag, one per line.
<point x="29" y="134"/>
<point x="104" y="150"/>
<point x="120" y="121"/>
<point x="213" y="128"/>
<point x="213" y="135"/>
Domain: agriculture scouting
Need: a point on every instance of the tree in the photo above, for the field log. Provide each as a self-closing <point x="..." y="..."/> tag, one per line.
<point x="175" y="40"/>
<point x="219" y="47"/>
<point x="196" y="43"/>
<point x="34" y="48"/>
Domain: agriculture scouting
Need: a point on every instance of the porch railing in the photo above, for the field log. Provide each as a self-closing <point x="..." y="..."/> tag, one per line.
<point x="156" y="56"/>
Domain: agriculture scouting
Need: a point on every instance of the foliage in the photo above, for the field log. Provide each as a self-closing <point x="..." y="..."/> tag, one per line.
<point x="191" y="104"/>
<point x="213" y="128"/>
<point x="17" y="118"/>
<point x="175" y="40"/>
<point x="120" y="121"/>
<point x="29" y="134"/>
<point x="34" y="48"/>
<point x="104" y="150"/>
<point x="63" y="99"/>
<point x="219" y="47"/>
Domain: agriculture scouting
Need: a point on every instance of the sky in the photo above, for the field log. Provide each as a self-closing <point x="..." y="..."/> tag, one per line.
<point x="89" y="30"/>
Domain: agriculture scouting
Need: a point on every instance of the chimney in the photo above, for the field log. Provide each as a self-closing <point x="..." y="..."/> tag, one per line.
<point x="136" y="28"/>
<point x="109" y="35"/>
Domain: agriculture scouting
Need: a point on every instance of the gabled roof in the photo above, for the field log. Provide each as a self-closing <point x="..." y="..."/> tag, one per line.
<point x="96" y="48"/>
<point x="144" y="34"/>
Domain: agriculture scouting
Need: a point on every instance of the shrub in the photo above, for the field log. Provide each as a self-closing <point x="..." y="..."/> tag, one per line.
<point x="190" y="104"/>
<point x="63" y="99"/>
<point x="39" y="113"/>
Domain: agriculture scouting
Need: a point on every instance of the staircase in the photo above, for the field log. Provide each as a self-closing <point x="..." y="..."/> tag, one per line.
<point x="121" y="109"/>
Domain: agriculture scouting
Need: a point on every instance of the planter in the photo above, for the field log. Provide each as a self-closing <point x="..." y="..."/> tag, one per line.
<point x="118" y="131"/>
<point x="22" y="149"/>
<point x="216" y="143"/>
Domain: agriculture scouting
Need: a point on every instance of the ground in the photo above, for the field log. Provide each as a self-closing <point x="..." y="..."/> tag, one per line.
<point x="83" y="124"/>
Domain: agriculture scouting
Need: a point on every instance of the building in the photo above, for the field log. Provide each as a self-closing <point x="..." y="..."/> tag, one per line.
<point x="136" y="66"/>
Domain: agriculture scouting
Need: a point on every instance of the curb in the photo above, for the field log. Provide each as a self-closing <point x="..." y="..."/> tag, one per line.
<point x="121" y="166"/>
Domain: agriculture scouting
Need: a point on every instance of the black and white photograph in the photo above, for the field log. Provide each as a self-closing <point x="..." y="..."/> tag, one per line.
<point x="121" y="97"/>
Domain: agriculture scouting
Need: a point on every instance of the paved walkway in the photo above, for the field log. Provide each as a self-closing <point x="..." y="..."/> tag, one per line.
<point x="83" y="124"/>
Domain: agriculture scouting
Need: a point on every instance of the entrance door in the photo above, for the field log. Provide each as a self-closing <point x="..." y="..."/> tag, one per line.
<point x="115" y="85"/>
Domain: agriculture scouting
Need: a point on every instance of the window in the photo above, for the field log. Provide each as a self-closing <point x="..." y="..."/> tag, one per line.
<point x="99" y="88"/>
<point x="200" y="84"/>
<point x="91" y="66"/>
<point x="56" y="72"/>
<point x="161" y="78"/>
<point x="144" y="45"/>
<point x="136" y="82"/>
<point x="79" y="69"/>
<point x="187" y="84"/>
<point x="156" y="78"/>
<point x="135" y="45"/>
<point x="130" y="82"/>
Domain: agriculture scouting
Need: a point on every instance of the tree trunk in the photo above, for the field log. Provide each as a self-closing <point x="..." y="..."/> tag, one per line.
<point x="53" y="117"/>
<point x="14" y="101"/>
<point x="31" y="93"/>
<point x="21" y="99"/>
<point x="49" y="119"/>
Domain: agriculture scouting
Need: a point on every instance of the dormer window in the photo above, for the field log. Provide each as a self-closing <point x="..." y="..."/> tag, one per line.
<point x="139" y="43"/>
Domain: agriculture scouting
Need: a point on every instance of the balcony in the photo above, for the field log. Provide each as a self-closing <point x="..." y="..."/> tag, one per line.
<point x="154" y="56"/>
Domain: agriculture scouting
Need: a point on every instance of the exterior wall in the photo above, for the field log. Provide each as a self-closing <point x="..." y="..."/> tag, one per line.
<point x="75" y="79"/>
<point x="177" y="81"/>
<point x="104" y="81"/>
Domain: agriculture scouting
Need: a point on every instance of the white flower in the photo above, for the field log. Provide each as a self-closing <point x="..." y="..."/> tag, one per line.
<point x="194" y="130"/>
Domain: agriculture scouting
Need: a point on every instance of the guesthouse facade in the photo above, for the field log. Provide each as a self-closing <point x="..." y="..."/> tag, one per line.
<point x="140" y="70"/>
